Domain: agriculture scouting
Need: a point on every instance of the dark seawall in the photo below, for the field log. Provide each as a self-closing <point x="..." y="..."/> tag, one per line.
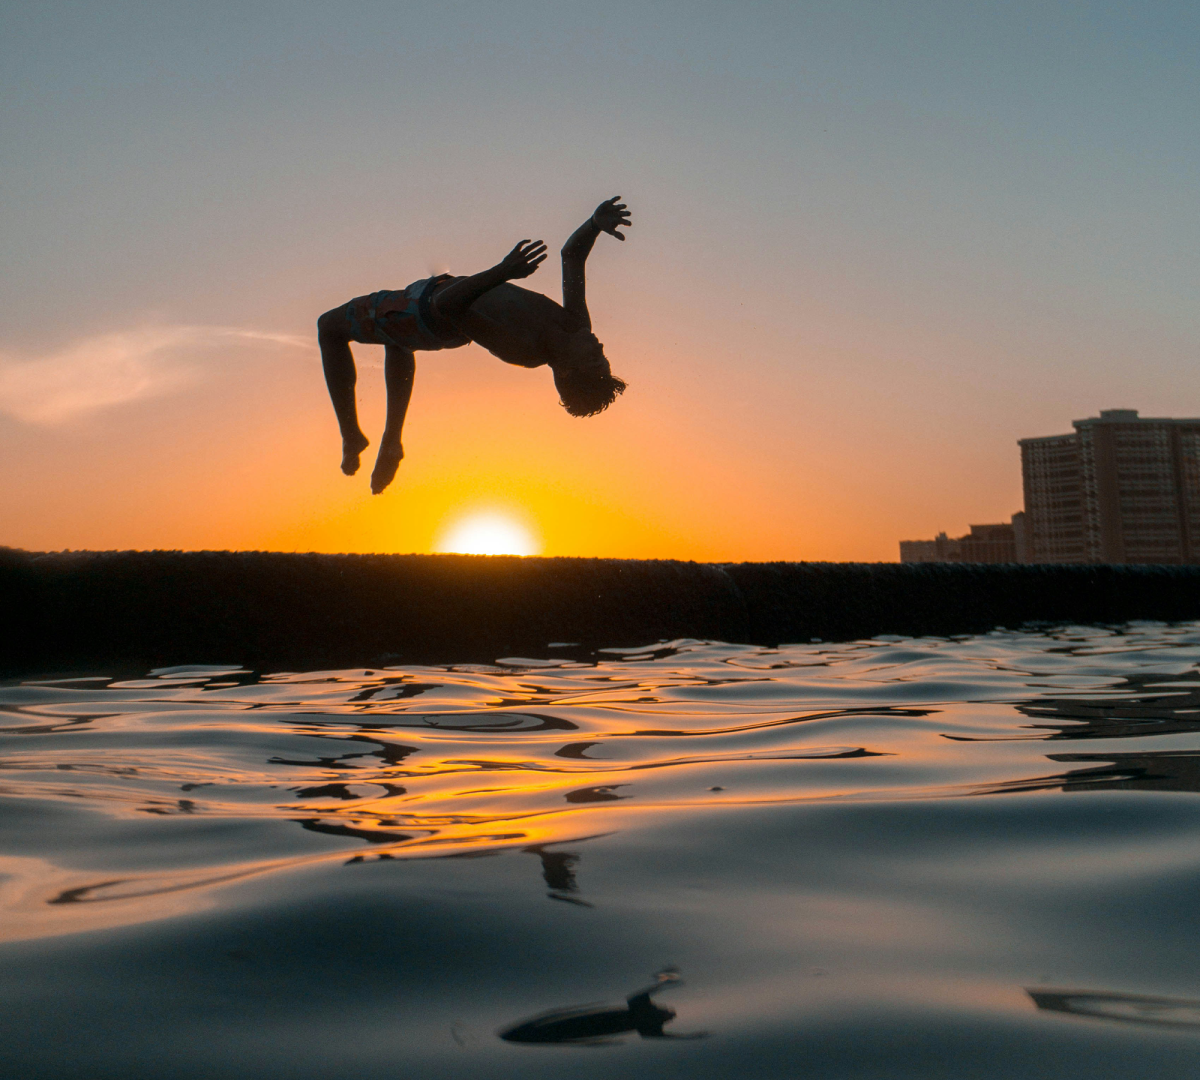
<point x="75" y="611"/>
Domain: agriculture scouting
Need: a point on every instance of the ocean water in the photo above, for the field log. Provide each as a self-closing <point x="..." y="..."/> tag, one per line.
<point x="969" y="857"/>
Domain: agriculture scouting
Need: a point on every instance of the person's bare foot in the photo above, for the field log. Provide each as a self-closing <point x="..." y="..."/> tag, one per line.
<point x="351" y="449"/>
<point x="386" y="464"/>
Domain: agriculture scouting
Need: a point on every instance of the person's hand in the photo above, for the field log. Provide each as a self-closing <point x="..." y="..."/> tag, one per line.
<point x="524" y="259"/>
<point x="609" y="215"/>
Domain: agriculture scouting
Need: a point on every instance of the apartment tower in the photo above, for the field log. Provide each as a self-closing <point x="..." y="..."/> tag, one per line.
<point x="1121" y="489"/>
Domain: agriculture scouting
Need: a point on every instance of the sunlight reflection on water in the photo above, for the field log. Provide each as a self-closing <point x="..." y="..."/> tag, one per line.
<point x="887" y="857"/>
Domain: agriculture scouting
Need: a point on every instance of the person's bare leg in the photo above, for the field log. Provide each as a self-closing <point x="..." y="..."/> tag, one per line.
<point x="333" y="336"/>
<point x="399" y="367"/>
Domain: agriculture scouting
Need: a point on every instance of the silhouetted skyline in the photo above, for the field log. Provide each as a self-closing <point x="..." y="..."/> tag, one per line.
<point x="1122" y="488"/>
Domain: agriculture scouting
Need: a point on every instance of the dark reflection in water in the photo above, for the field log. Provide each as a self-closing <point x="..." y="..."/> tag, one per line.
<point x="1164" y="771"/>
<point x="1127" y="1008"/>
<point x="1145" y="707"/>
<point x="597" y="1024"/>
<point x="1138" y="707"/>
<point x="558" y="871"/>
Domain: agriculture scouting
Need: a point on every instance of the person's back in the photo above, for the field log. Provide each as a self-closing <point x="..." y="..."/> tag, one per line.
<point x="534" y="316"/>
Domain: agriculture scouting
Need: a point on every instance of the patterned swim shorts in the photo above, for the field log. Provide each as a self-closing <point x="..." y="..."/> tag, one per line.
<point x="403" y="318"/>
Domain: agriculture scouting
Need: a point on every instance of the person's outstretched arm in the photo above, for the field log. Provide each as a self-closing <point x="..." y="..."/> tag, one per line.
<point x="453" y="301"/>
<point x="607" y="217"/>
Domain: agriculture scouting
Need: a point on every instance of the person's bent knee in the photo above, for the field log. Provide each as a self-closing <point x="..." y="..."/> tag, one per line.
<point x="333" y="325"/>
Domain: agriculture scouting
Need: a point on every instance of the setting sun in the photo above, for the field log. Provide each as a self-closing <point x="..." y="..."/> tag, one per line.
<point x="488" y="533"/>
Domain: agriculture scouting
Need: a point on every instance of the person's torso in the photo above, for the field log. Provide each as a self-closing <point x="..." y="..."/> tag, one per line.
<point x="525" y="311"/>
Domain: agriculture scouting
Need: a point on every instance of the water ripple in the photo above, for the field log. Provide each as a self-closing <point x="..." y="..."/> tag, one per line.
<point x="130" y="801"/>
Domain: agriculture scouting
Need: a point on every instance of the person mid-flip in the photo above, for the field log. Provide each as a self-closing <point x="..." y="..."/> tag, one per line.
<point x="445" y="312"/>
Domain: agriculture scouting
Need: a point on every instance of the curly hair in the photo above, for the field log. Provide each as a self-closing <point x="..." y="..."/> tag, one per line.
<point x="586" y="392"/>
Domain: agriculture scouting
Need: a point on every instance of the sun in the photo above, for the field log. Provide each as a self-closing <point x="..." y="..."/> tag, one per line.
<point x="487" y="533"/>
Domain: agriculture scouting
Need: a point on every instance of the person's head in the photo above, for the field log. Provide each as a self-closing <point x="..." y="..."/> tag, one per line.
<point x="585" y="383"/>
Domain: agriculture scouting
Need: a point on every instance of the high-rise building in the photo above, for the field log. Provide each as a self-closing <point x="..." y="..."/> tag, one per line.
<point x="1121" y="489"/>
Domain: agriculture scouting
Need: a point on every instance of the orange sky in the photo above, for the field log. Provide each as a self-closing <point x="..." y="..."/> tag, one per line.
<point x="731" y="475"/>
<point x="868" y="256"/>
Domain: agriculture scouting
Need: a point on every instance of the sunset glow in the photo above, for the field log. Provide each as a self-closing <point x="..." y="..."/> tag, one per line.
<point x="488" y="533"/>
<point x="933" y="260"/>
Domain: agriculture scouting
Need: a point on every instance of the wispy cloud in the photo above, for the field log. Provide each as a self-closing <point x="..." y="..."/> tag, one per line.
<point x="112" y="369"/>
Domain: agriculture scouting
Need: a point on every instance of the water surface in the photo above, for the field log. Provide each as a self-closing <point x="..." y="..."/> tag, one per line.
<point x="976" y="857"/>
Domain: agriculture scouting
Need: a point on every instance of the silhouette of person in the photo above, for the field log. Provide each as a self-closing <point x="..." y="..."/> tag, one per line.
<point x="594" y="1023"/>
<point x="517" y="325"/>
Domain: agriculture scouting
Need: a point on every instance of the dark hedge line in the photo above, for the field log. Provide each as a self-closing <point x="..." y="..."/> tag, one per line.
<point x="130" y="610"/>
